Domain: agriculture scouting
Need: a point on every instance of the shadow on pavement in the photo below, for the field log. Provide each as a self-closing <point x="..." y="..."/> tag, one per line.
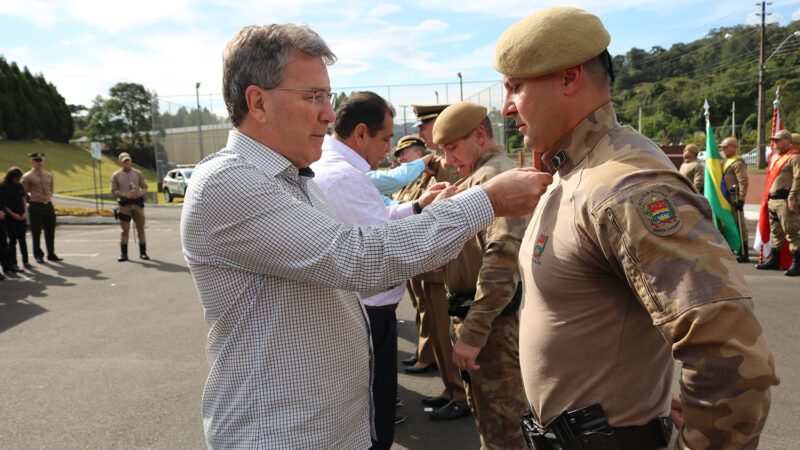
<point x="16" y="294"/>
<point x="160" y="265"/>
<point x="71" y="270"/>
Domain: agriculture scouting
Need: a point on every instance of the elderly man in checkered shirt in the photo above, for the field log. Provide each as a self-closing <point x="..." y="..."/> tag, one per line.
<point x="289" y="341"/>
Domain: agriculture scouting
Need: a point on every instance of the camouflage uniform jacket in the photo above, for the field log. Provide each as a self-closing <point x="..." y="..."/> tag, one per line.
<point x="487" y="265"/>
<point x="623" y="271"/>
<point x="437" y="170"/>
<point x="788" y="178"/>
<point x="736" y="175"/>
<point x="695" y="172"/>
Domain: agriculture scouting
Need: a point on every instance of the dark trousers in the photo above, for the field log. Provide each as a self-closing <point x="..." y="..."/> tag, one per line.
<point x="5" y="256"/>
<point x="383" y="328"/>
<point x="16" y="234"/>
<point x="43" y="217"/>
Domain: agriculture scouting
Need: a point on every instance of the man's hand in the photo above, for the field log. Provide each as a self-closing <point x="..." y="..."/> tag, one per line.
<point x="676" y="411"/>
<point x="516" y="192"/>
<point x="427" y="158"/>
<point x="433" y="193"/>
<point x="464" y="356"/>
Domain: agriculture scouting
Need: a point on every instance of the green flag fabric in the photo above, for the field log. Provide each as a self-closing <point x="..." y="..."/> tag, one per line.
<point x="720" y="207"/>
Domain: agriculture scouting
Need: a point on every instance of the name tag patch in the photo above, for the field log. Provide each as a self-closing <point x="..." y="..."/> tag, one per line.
<point x="658" y="212"/>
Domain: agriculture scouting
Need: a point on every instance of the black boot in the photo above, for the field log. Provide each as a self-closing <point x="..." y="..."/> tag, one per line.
<point x="123" y="252"/>
<point x="794" y="269"/>
<point x="143" y="251"/>
<point x="744" y="256"/>
<point x="774" y="262"/>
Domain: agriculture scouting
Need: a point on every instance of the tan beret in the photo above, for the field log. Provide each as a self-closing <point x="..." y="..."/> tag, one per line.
<point x="782" y="134"/>
<point x="729" y="141"/>
<point x="550" y="40"/>
<point x="457" y="121"/>
<point x="691" y="148"/>
<point x="795" y="138"/>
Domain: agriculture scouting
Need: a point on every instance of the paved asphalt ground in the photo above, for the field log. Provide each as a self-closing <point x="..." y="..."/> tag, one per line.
<point x="100" y="354"/>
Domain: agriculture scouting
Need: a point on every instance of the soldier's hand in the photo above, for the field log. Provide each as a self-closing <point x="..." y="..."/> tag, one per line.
<point x="449" y="192"/>
<point x="464" y="356"/>
<point x="516" y="192"/>
<point x="676" y="411"/>
<point x="432" y="193"/>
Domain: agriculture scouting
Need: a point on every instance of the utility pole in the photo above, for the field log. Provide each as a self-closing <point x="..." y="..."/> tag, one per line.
<point x="405" y="124"/>
<point x="761" y="159"/>
<point x="640" y="120"/>
<point x="199" y="127"/>
<point x="461" y="85"/>
<point x="437" y="96"/>
<point x="733" y="119"/>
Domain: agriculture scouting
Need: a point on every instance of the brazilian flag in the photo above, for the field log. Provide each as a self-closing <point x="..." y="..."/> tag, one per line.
<point x="720" y="206"/>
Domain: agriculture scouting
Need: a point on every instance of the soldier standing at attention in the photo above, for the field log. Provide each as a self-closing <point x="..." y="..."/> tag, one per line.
<point x="38" y="185"/>
<point x="129" y="186"/>
<point x="784" y="203"/>
<point x="483" y="286"/>
<point x="622" y="266"/>
<point x="736" y="182"/>
<point x="692" y="168"/>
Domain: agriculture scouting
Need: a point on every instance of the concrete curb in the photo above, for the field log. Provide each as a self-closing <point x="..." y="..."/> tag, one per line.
<point x="110" y="203"/>
<point x="89" y="220"/>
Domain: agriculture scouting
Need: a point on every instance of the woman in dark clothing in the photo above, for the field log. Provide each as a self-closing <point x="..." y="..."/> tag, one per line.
<point x="16" y="213"/>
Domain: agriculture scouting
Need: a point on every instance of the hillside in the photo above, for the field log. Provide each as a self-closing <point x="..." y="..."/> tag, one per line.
<point x="71" y="165"/>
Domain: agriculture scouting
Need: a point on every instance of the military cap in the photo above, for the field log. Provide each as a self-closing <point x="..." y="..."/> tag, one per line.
<point x="729" y="141"/>
<point x="795" y="138"/>
<point x="550" y="40"/>
<point x="123" y="156"/>
<point x="457" y="121"/>
<point x="408" y="141"/>
<point x="691" y="148"/>
<point x="425" y="113"/>
<point x="37" y="155"/>
<point x="782" y="134"/>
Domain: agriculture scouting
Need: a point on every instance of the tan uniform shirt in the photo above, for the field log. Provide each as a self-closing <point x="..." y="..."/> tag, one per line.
<point x="789" y="178"/>
<point x="487" y="265"/>
<point x="38" y="185"/>
<point x="123" y="181"/>
<point x="695" y="172"/>
<point x="618" y="244"/>
<point x="736" y="175"/>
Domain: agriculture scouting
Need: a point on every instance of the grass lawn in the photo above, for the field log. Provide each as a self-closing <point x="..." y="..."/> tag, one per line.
<point x="71" y="166"/>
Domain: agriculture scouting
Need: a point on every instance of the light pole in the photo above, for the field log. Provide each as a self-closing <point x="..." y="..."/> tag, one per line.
<point x="199" y="128"/>
<point x="437" y="96"/>
<point x="405" y="124"/>
<point x="461" y="85"/>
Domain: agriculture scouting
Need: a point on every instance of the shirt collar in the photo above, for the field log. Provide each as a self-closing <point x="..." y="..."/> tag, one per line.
<point x="578" y="142"/>
<point x="331" y="144"/>
<point x="264" y="157"/>
<point x="486" y="156"/>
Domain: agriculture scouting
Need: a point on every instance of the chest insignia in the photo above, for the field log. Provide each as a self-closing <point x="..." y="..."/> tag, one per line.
<point x="538" y="249"/>
<point x="658" y="213"/>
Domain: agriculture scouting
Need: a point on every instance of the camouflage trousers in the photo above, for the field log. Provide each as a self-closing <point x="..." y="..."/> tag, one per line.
<point x="494" y="392"/>
<point x="784" y="224"/>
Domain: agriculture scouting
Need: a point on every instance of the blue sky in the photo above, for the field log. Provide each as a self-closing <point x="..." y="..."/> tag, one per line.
<point x="86" y="46"/>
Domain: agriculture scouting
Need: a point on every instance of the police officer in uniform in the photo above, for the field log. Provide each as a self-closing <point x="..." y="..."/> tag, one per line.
<point x="734" y="173"/>
<point x="623" y="269"/>
<point x="692" y="168"/>
<point x="129" y="187"/>
<point x="784" y="203"/>
<point x="483" y="286"/>
<point x="38" y="185"/>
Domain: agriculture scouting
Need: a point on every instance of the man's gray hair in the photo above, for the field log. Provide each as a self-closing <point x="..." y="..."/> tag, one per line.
<point x="258" y="54"/>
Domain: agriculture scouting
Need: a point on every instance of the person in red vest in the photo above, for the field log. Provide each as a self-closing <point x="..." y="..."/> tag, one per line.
<point x="783" y="203"/>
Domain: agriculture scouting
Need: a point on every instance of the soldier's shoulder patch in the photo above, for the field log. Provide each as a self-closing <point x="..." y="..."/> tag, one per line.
<point x="657" y="211"/>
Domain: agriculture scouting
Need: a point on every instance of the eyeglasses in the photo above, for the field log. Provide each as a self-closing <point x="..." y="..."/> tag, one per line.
<point x="320" y="98"/>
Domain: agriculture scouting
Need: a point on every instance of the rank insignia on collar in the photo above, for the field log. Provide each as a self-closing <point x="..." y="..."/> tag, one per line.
<point x="658" y="212"/>
<point x="558" y="159"/>
<point x="538" y="249"/>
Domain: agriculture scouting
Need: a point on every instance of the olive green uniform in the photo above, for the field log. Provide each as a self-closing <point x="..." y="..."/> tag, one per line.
<point x="38" y="185"/>
<point x="737" y="182"/>
<point x="122" y="182"/>
<point x="624" y="271"/>
<point x="782" y="222"/>
<point x="487" y="269"/>
<point x="428" y="295"/>
<point x="695" y="172"/>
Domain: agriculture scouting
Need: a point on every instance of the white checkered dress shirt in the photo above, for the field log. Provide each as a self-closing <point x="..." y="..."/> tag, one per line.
<point x="289" y="344"/>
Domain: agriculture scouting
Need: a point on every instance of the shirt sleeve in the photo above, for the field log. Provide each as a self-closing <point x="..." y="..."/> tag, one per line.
<point x="497" y="278"/>
<point x="26" y="186"/>
<point x="142" y="184"/>
<point x="661" y="239"/>
<point x="743" y="180"/>
<point x="794" y="192"/>
<point x="115" y="191"/>
<point x="699" y="177"/>
<point x="388" y="181"/>
<point x="258" y="227"/>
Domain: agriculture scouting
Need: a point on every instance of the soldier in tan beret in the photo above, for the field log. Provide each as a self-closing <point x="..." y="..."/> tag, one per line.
<point x="623" y="269"/>
<point x="692" y="168"/>
<point x="484" y="288"/>
<point x="129" y="187"/>
<point x="734" y="174"/>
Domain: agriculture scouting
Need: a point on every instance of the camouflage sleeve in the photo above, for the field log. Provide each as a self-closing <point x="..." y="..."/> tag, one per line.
<point x="794" y="192"/>
<point x="497" y="278"/>
<point x="740" y="169"/>
<point x="661" y="239"/>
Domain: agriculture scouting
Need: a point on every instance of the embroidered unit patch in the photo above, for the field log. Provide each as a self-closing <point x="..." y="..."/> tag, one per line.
<point x="538" y="249"/>
<point x="658" y="213"/>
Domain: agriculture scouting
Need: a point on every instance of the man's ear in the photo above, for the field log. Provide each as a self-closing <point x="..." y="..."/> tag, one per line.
<point x="257" y="103"/>
<point x="360" y="133"/>
<point x="572" y="79"/>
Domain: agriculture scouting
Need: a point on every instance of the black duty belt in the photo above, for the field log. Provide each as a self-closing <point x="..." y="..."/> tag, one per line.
<point x="458" y="305"/>
<point x="780" y="194"/>
<point x="39" y="203"/>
